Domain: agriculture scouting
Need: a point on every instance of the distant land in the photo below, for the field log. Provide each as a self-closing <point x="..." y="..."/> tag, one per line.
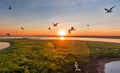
<point x="115" y="37"/>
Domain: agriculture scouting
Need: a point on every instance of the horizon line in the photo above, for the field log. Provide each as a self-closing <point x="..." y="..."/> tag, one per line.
<point x="63" y="36"/>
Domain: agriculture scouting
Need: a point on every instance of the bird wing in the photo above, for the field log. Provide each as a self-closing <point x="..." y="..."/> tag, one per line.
<point x="112" y="8"/>
<point x="54" y="24"/>
<point x="72" y="28"/>
<point x="22" y="28"/>
<point x="69" y="31"/>
<point x="106" y="9"/>
<point x="88" y="25"/>
<point x="49" y="28"/>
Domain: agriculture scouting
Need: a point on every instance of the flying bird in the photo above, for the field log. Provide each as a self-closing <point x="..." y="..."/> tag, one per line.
<point x="55" y="24"/>
<point x="8" y="34"/>
<point x="69" y="31"/>
<point x="88" y="25"/>
<point x="109" y="10"/>
<point x="10" y="7"/>
<point x="11" y="3"/>
<point x="21" y="28"/>
<point x="49" y="28"/>
<point x="72" y="28"/>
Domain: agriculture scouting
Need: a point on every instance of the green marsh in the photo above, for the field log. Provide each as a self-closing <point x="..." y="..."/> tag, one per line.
<point x="42" y="56"/>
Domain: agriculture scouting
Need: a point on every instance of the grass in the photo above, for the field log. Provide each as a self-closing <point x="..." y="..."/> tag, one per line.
<point x="40" y="56"/>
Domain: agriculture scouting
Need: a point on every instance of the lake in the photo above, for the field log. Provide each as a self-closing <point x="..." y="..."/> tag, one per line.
<point x="70" y="38"/>
<point x="4" y="45"/>
<point x="112" y="67"/>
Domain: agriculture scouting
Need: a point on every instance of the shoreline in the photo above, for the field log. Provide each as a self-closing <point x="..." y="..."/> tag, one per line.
<point x="109" y="40"/>
<point x="4" y="45"/>
<point x="98" y="65"/>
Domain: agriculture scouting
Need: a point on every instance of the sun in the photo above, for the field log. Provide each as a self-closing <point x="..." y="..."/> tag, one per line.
<point x="62" y="33"/>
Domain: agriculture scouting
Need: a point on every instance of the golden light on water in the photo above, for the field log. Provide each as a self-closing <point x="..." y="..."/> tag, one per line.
<point x="62" y="38"/>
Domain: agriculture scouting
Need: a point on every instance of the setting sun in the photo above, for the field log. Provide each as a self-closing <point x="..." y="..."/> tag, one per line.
<point x="62" y="33"/>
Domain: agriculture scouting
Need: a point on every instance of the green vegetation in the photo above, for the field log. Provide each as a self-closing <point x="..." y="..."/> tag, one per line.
<point x="41" y="56"/>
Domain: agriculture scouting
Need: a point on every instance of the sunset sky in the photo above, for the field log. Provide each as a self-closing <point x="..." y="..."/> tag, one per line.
<point x="37" y="15"/>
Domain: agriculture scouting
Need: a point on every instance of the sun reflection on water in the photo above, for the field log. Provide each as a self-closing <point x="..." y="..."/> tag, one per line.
<point x="62" y="38"/>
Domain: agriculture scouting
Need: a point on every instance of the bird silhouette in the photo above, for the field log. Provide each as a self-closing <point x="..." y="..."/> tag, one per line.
<point x="88" y="25"/>
<point x="21" y="28"/>
<point x="8" y="34"/>
<point x="10" y="7"/>
<point x="69" y="31"/>
<point x="72" y="28"/>
<point x="109" y="10"/>
<point x="55" y="24"/>
<point x="49" y="28"/>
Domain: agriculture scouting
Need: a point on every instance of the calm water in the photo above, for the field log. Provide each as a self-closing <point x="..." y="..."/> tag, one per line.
<point x="112" y="67"/>
<point x="4" y="45"/>
<point x="70" y="38"/>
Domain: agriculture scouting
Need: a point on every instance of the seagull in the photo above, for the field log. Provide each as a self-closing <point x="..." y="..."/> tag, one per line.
<point x="21" y="28"/>
<point x="76" y="66"/>
<point x="55" y="24"/>
<point x="10" y="7"/>
<point x="88" y="25"/>
<point x="49" y="28"/>
<point x="109" y="10"/>
<point x="72" y="28"/>
<point x="69" y="31"/>
<point x="8" y="34"/>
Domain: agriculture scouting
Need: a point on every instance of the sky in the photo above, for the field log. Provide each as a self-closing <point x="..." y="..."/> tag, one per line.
<point x="37" y="15"/>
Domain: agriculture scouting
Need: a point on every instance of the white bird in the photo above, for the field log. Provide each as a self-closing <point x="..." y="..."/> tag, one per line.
<point x="109" y="10"/>
<point x="76" y="66"/>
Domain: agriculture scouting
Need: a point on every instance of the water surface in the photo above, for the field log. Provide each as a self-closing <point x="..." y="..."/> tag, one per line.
<point x="70" y="38"/>
<point x="112" y="67"/>
<point x="4" y="45"/>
